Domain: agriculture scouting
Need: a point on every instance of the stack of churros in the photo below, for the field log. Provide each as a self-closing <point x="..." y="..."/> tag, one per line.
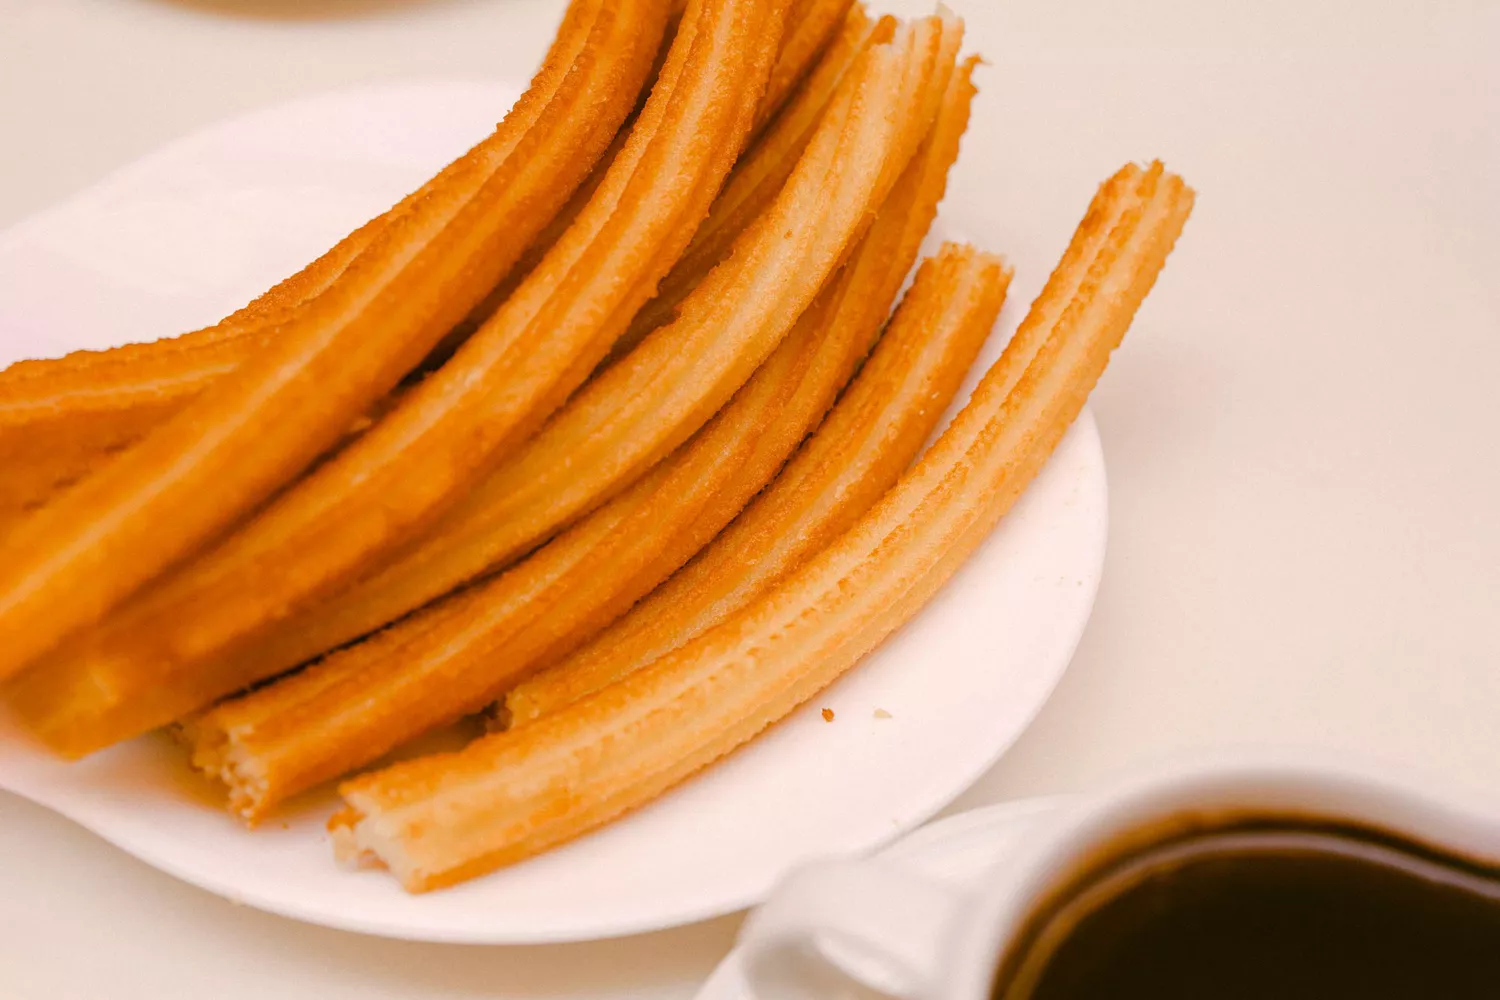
<point x="607" y="433"/>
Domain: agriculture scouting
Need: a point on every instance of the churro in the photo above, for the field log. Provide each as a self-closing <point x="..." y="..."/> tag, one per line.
<point x="869" y="440"/>
<point x="810" y="26"/>
<point x="521" y="364"/>
<point x="452" y="657"/>
<point x="63" y="418"/>
<point x="446" y="818"/>
<point x="757" y="180"/>
<point x="76" y="558"/>
<point x="368" y="698"/>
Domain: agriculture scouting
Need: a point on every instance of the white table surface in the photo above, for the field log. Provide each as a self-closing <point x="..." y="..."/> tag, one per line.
<point x="1302" y="429"/>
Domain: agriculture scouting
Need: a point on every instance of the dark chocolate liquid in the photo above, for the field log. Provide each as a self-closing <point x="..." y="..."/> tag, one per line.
<point x="1268" y="913"/>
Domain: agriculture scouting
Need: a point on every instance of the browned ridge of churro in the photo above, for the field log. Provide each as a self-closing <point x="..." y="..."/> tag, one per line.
<point x="446" y="431"/>
<point x="511" y="795"/>
<point x="368" y="698"/>
<point x="759" y="178"/>
<point x="810" y="26"/>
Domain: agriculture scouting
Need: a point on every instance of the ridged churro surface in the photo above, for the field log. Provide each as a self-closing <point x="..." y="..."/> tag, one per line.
<point x="268" y="744"/>
<point x="511" y="795"/>
<point x="364" y="701"/>
<point x="853" y="459"/>
<point x="635" y="413"/>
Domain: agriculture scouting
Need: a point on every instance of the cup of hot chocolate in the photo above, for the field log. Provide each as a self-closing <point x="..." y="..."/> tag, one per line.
<point x="1241" y="878"/>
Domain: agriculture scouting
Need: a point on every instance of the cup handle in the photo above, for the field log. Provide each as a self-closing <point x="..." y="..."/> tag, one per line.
<point x="878" y="925"/>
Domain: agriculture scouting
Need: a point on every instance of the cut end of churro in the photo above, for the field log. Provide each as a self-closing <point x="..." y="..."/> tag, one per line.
<point x="360" y="843"/>
<point x="216" y="752"/>
<point x="343" y="832"/>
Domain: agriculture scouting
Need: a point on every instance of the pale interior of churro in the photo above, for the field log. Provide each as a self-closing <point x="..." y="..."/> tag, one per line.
<point x="245" y="776"/>
<point x="347" y="829"/>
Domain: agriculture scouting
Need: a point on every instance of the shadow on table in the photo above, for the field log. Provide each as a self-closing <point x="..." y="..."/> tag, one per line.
<point x="302" y="10"/>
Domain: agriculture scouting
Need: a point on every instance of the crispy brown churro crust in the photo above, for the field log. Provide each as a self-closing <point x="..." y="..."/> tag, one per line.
<point x="76" y="559"/>
<point x="761" y="175"/>
<point x="810" y="25"/>
<point x="511" y="795"/>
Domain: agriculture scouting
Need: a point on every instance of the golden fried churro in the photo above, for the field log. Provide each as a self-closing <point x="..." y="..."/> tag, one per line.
<point x="856" y="455"/>
<point x="63" y="419"/>
<point x="442" y="819"/>
<point x="306" y="729"/>
<point x="643" y="407"/>
<point x="810" y="26"/>
<point x="76" y="558"/>
<point x="113" y="528"/>
<point x="924" y="320"/>
<point x="516" y="368"/>
<point x="758" y="179"/>
<point x="638" y="411"/>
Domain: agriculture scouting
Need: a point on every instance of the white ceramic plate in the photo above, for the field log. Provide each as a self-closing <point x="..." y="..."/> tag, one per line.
<point x="196" y="229"/>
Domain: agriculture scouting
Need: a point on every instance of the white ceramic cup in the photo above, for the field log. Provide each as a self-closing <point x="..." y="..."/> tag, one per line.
<point x="889" y="932"/>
